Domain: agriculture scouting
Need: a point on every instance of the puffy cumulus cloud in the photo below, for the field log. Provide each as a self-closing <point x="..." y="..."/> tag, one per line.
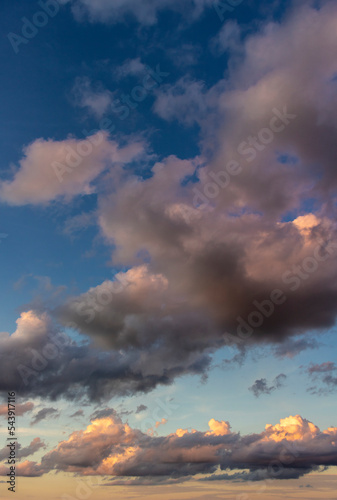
<point x="221" y="254"/>
<point x="218" y="428"/>
<point x="130" y="324"/>
<point x="292" y="428"/>
<point x="110" y="447"/>
<point x="206" y="273"/>
<point x="20" y="409"/>
<point x="220" y="250"/>
<point x="205" y="266"/>
<point x="40" y="361"/>
<point x="145" y="13"/>
<point x="61" y="170"/>
<point x="295" y="73"/>
<point x="92" y="448"/>
<point x="31" y="330"/>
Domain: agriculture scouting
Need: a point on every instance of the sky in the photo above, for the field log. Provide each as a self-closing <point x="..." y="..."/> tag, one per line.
<point x="168" y="243"/>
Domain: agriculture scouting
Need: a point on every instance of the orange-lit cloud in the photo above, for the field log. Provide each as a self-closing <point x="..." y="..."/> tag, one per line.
<point x="110" y="447"/>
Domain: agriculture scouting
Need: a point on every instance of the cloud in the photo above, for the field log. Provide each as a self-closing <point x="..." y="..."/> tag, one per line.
<point x="121" y="10"/>
<point x="21" y="452"/>
<point x="261" y="386"/>
<point x="60" y="170"/>
<point x="39" y="360"/>
<point x="34" y="446"/>
<point x="195" y="271"/>
<point x="20" y="409"/>
<point x="258" y="475"/>
<point x="108" y="446"/>
<point x="291" y="347"/>
<point x="326" y="367"/>
<point x="78" y="413"/>
<point x="25" y="469"/>
<point x="104" y="413"/>
<point x="130" y="67"/>
<point x="43" y="414"/>
<point x="326" y="375"/>
<point x="186" y="101"/>
<point x="97" y="100"/>
<point x="163" y="421"/>
<point x="219" y="266"/>
<point x="147" y="481"/>
<point x="141" y="408"/>
<point x="228" y="38"/>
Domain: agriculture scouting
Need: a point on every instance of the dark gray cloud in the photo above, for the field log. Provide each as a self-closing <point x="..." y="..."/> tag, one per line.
<point x="45" y="413"/>
<point x="78" y="413"/>
<point x="37" y="360"/>
<point x="261" y="475"/>
<point x="34" y="446"/>
<point x="325" y="376"/>
<point x="148" y="481"/>
<point x="261" y="386"/>
<point x="104" y="413"/>
<point x="141" y="408"/>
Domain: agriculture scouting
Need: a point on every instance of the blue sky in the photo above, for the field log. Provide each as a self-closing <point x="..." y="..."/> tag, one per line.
<point x="209" y="184"/>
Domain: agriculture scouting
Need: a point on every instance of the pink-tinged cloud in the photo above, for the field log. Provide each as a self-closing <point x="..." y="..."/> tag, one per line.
<point x="20" y="409"/>
<point x="110" y="447"/>
<point x="59" y="170"/>
<point x="220" y="265"/>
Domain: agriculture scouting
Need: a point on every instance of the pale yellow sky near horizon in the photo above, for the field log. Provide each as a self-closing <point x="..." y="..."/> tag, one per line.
<point x="63" y="487"/>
